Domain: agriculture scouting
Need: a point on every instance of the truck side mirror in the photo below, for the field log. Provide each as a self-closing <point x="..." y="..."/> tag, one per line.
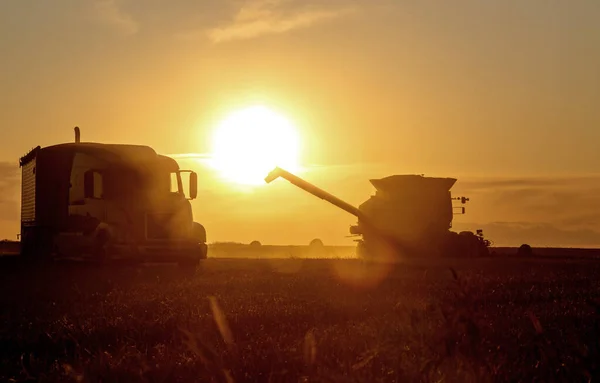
<point x="193" y="185"/>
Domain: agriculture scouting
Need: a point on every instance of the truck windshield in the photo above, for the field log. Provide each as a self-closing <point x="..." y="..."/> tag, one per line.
<point x="130" y="183"/>
<point x="175" y="182"/>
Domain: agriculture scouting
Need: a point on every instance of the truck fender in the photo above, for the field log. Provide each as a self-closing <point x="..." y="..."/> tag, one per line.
<point x="103" y="233"/>
<point x="198" y="232"/>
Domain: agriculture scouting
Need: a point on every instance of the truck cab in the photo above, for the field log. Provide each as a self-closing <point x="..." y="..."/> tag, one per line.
<point x="108" y="201"/>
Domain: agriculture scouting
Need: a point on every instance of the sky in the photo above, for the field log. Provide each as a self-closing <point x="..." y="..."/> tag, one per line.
<point x="502" y="95"/>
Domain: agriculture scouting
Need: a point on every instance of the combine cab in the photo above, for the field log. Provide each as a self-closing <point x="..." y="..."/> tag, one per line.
<point x="408" y="215"/>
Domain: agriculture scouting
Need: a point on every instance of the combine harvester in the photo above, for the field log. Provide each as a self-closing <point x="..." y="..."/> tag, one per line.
<point x="409" y="215"/>
<point x="101" y="201"/>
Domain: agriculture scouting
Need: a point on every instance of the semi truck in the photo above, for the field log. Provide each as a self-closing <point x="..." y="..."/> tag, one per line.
<point x="106" y="201"/>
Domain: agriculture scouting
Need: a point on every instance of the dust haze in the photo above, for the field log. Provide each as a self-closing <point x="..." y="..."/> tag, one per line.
<point x="299" y="191"/>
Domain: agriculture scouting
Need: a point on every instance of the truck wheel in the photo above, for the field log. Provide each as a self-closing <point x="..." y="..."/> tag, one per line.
<point x="37" y="248"/>
<point x="188" y="265"/>
<point x="100" y="252"/>
<point x="192" y="263"/>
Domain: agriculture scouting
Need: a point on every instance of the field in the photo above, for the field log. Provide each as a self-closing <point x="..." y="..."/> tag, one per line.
<point x="303" y="320"/>
<point x="9" y="247"/>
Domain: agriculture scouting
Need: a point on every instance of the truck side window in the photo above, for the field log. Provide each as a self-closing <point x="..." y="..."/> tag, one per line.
<point x="98" y="185"/>
<point x="93" y="185"/>
<point x="174" y="183"/>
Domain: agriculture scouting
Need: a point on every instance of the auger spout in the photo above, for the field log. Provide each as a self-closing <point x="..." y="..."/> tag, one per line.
<point x="365" y="222"/>
<point x="312" y="189"/>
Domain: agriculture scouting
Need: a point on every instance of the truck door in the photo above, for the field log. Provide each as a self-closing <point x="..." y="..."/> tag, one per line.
<point x="86" y="208"/>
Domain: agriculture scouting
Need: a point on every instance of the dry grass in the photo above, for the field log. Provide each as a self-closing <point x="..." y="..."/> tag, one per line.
<point x="303" y="321"/>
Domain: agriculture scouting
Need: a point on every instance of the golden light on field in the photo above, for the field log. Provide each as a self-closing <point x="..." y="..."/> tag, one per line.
<point x="249" y="143"/>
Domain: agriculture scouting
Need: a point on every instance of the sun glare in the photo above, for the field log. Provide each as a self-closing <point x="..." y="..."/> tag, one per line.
<point x="249" y="143"/>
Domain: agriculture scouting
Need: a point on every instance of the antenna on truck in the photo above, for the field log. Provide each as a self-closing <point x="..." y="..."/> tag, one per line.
<point x="77" y="135"/>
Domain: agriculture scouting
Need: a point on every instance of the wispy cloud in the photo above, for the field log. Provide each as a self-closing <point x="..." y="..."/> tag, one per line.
<point x="110" y="12"/>
<point x="528" y="182"/>
<point x="550" y="211"/>
<point x="262" y="17"/>
<point x="190" y="155"/>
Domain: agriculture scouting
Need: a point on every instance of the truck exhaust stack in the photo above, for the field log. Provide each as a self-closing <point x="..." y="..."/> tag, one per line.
<point x="77" y="135"/>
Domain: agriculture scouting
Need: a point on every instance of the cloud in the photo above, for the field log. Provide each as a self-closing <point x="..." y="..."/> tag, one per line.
<point x="548" y="211"/>
<point x="110" y="12"/>
<point x="527" y="182"/>
<point x="219" y="21"/>
<point x="262" y="17"/>
<point x="189" y="155"/>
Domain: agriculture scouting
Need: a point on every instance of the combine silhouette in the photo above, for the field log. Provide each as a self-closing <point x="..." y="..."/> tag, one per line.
<point x="408" y="215"/>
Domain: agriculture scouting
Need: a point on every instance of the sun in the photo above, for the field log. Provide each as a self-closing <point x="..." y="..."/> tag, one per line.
<point x="249" y="143"/>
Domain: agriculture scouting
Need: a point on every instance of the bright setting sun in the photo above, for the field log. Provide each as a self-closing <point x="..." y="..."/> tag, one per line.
<point x="249" y="143"/>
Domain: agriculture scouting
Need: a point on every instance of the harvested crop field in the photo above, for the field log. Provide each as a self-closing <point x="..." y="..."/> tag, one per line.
<point x="307" y="320"/>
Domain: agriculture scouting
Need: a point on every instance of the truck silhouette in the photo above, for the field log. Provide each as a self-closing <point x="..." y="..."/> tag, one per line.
<point x="103" y="201"/>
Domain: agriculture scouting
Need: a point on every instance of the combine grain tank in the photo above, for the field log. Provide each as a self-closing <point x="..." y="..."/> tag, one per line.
<point x="410" y="214"/>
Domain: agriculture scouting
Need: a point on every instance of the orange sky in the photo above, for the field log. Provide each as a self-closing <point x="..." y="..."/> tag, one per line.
<point x="483" y="91"/>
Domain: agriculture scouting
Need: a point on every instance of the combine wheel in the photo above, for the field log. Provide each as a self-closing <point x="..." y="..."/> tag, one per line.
<point x="361" y="250"/>
<point x="466" y="245"/>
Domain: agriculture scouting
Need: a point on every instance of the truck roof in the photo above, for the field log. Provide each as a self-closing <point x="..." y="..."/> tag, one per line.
<point x="110" y="152"/>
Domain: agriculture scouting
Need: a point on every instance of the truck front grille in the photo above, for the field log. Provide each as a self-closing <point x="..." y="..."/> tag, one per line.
<point x="160" y="226"/>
